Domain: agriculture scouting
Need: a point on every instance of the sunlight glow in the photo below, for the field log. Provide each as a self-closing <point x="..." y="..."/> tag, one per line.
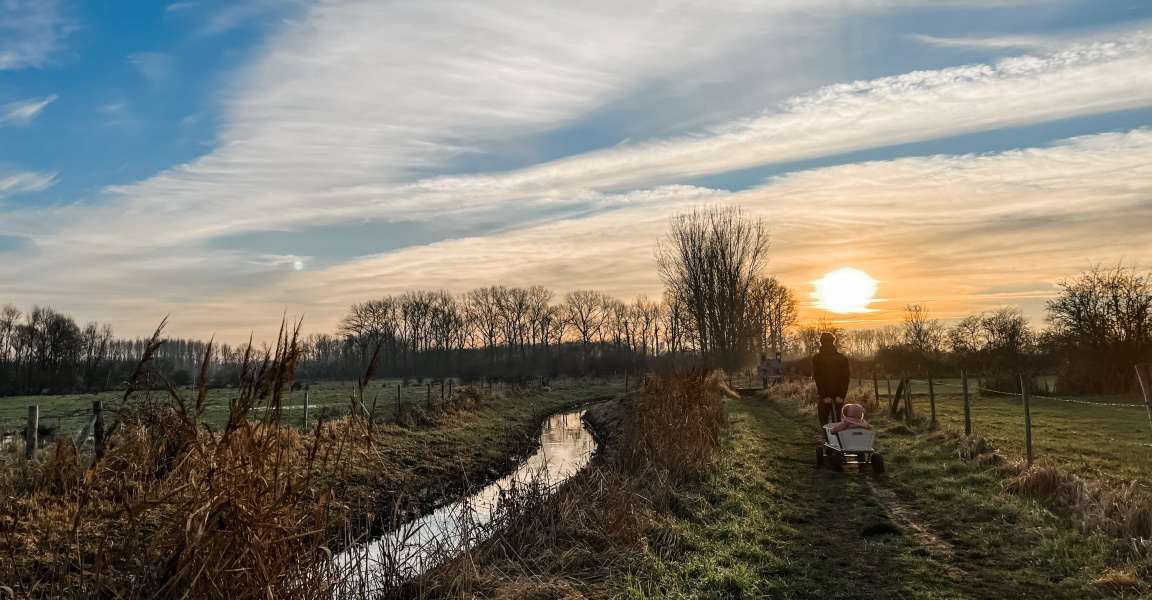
<point x="845" y="290"/>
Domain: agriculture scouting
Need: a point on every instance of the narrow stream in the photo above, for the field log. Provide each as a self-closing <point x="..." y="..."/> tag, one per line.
<point x="566" y="446"/>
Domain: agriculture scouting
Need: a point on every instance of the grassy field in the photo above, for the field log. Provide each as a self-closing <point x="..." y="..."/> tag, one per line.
<point x="772" y="525"/>
<point x="68" y="413"/>
<point x="1097" y="440"/>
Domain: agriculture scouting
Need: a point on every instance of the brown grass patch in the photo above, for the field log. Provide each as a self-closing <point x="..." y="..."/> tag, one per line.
<point x="584" y="539"/>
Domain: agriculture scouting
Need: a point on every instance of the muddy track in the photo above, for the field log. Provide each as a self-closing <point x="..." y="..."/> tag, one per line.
<point x="899" y="512"/>
<point x="909" y="522"/>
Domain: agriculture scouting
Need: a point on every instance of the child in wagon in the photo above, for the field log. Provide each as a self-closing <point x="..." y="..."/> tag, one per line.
<point x="852" y="417"/>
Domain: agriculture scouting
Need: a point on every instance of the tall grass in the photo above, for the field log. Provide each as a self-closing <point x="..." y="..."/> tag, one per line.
<point x="172" y="508"/>
<point x="596" y="529"/>
<point x="175" y="509"/>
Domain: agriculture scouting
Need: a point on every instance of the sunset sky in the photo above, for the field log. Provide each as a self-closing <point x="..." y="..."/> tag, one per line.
<point x="227" y="162"/>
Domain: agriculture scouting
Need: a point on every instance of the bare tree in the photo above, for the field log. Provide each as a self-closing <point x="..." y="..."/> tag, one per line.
<point x="921" y="333"/>
<point x="710" y="260"/>
<point x="774" y="309"/>
<point x="94" y="341"/>
<point x="1103" y="320"/>
<point x="586" y="314"/>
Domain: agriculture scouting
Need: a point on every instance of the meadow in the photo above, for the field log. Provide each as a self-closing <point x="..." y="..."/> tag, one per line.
<point x="1102" y="438"/>
<point x="66" y="414"/>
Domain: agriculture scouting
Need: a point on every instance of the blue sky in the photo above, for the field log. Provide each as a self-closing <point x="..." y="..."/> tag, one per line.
<point x="183" y="157"/>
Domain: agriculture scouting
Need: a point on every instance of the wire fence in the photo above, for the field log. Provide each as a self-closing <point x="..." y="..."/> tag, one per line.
<point x="1102" y="439"/>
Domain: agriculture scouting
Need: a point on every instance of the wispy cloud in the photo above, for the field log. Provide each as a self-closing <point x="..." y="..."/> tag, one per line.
<point x="158" y="68"/>
<point x="956" y="231"/>
<point x="1016" y="42"/>
<point x="274" y="171"/>
<point x="22" y="112"/>
<point x="31" y="31"/>
<point x="15" y="183"/>
<point x="1039" y="42"/>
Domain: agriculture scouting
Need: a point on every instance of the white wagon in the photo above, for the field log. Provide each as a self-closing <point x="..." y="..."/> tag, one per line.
<point x="850" y="447"/>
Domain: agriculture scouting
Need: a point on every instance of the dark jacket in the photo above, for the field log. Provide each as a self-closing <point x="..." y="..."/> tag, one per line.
<point x="830" y="370"/>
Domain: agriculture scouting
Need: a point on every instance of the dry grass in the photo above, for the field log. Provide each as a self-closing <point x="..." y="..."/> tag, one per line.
<point x="1122" y="516"/>
<point x="584" y="539"/>
<point x="173" y="509"/>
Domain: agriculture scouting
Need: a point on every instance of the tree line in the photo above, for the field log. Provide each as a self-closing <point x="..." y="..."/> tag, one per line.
<point x="720" y="308"/>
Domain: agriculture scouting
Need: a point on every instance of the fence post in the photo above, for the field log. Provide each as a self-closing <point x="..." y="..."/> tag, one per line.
<point x="449" y="387"/>
<point x="889" y="379"/>
<point x="32" y="432"/>
<point x="1027" y="420"/>
<point x="98" y="427"/>
<point x="907" y="398"/>
<point x="875" y="388"/>
<point x="428" y="401"/>
<point x="894" y="410"/>
<point x="398" y="386"/>
<point x="441" y="389"/>
<point x="932" y="399"/>
<point x="967" y="404"/>
<point x="1144" y="376"/>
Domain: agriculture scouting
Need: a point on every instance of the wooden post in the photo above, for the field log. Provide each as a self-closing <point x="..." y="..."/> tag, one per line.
<point x="449" y="387"/>
<point x="441" y="389"/>
<point x="428" y="401"/>
<point x="967" y="403"/>
<point x="304" y="423"/>
<point x="1027" y="420"/>
<point x="875" y="388"/>
<point x="907" y="397"/>
<point x="32" y="432"/>
<point x="932" y="398"/>
<point x="895" y="400"/>
<point x="98" y="427"/>
<point x="1144" y="375"/>
<point x="398" y="385"/>
<point x="889" y="378"/>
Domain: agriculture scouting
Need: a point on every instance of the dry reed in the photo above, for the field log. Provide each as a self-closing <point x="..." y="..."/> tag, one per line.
<point x="584" y="539"/>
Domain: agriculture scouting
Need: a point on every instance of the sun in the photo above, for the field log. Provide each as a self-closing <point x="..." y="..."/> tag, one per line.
<point x="845" y="290"/>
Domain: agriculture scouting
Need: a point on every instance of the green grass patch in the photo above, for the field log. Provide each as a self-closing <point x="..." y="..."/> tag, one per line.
<point x="1097" y="441"/>
<point x="68" y="413"/>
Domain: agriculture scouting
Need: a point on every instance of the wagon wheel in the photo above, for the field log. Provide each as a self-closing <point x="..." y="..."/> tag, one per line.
<point x="836" y="461"/>
<point x="877" y="463"/>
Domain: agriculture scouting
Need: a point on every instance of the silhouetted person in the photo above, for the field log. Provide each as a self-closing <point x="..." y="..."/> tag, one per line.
<point x="762" y="370"/>
<point x="830" y="370"/>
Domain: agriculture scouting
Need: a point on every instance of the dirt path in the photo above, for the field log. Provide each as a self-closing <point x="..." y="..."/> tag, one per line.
<point x="845" y="540"/>
<point x="849" y="535"/>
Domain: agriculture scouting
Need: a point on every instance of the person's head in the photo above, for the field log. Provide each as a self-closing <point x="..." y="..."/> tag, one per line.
<point x="853" y="411"/>
<point x="827" y="340"/>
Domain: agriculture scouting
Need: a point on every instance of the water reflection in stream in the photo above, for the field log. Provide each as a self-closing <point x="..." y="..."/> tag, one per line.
<point x="565" y="447"/>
